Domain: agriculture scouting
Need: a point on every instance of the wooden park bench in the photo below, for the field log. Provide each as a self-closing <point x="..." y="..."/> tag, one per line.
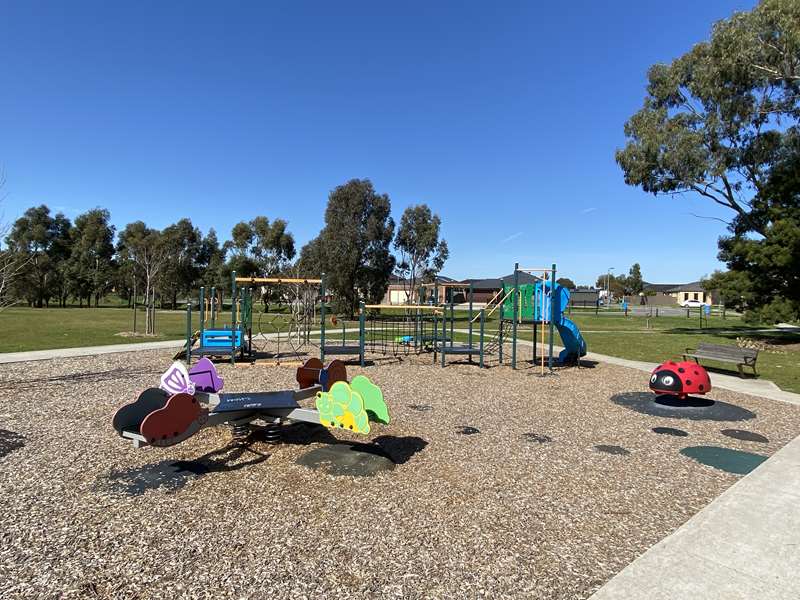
<point x="741" y="357"/>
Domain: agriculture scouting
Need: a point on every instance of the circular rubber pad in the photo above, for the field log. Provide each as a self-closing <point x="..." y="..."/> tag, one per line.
<point x="695" y="409"/>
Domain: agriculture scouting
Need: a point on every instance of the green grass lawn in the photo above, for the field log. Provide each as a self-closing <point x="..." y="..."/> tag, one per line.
<point x="662" y="338"/>
<point x="23" y="328"/>
<point x="635" y="338"/>
<point x="670" y="336"/>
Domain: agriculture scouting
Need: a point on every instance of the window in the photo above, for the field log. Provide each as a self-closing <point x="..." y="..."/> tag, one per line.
<point x="695" y="296"/>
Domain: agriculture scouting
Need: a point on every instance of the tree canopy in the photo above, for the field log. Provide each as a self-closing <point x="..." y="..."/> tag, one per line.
<point x="566" y="282"/>
<point x="353" y="247"/>
<point x="422" y="253"/>
<point x="721" y="122"/>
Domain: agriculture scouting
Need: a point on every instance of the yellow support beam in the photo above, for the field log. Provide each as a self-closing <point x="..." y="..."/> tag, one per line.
<point x="403" y="306"/>
<point x="276" y="280"/>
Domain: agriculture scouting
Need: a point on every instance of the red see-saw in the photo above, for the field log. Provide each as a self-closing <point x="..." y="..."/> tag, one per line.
<point x="680" y="379"/>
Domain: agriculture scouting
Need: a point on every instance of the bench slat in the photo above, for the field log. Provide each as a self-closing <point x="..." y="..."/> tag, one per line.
<point x="733" y="350"/>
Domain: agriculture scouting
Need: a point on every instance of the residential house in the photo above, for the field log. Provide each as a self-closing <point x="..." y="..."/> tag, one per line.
<point x="666" y="294"/>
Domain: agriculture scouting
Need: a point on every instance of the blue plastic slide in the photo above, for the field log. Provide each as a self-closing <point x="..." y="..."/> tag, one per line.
<point x="574" y="344"/>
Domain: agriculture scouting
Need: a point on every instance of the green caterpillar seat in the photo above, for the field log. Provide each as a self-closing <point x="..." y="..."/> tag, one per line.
<point x="352" y="405"/>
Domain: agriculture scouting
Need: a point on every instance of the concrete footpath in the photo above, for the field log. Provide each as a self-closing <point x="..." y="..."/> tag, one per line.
<point x="744" y="545"/>
<point x="12" y="357"/>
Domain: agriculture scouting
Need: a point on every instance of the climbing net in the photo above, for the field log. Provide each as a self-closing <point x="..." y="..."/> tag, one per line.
<point x="286" y="329"/>
<point x="400" y="335"/>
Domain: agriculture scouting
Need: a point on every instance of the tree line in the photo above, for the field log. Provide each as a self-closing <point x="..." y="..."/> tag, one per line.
<point x="57" y="260"/>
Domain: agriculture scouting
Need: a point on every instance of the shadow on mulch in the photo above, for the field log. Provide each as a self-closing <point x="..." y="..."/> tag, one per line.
<point x="615" y="450"/>
<point x="587" y="364"/>
<point x="87" y="376"/>
<point x="10" y="441"/>
<point x="669" y="431"/>
<point x="538" y="438"/>
<point x="362" y="460"/>
<point x="695" y="409"/>
<point x="745" y="436"/>
<point x="171" y="475"/>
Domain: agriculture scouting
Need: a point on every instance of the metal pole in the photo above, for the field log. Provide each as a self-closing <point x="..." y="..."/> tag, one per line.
<point x="515" y="314"/>
<point x="202" y="313"/>
<point x="483" y="319"/>
<point x="452" y="319"/>
<point x="362" y="331"/>
<point x="233" y="317"/>
<point x="470" y="318"/>
<point x="189" y="332"/>
<point x="444" y="334"/>
<point x="213" y="306"/>
<point x="322" y="307"/>
<point x="435" y="335"/>
<point x="552" y="314"/>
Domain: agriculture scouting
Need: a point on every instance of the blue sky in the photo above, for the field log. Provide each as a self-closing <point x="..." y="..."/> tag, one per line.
<point x="503" y="117"/>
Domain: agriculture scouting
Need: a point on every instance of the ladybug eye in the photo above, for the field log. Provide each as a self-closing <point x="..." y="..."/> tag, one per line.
<point x="668" y="380"/>
<point x="653" y="378"/>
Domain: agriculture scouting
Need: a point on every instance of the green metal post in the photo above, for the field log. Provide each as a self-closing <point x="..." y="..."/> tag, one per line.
<point x="202" y="311"/>
<point x="452" y="320"/>
<point x="322" y="292"/>
<point x="515" y="314"/>
<point x="444" y="334"/>
<point x="552" y="316"/>
<point x="213" y="307"/>
<point x="500" y="335"/>
<point x="362" y="321"/>
<point x="435" y="335"/>
<point x="470" y="318"/>
<point x="189" y="332"/>
<point x="483" y="321"/>
<point x="234" y="297"/>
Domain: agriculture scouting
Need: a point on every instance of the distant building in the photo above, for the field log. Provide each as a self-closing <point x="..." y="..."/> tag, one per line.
<point x="584" y="297"/>
<point x="676" y="293"/>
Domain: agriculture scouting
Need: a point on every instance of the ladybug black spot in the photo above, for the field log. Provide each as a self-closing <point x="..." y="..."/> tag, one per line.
<point x="702" y="387"/>
<point x="681" y="370"/>
<point x="688" y="382"/>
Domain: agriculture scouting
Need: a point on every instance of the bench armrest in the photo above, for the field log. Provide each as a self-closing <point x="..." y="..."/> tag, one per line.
<point x="690" y="351"/>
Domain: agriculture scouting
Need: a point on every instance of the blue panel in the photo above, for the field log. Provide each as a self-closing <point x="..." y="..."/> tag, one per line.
<point x="220" y="338"/>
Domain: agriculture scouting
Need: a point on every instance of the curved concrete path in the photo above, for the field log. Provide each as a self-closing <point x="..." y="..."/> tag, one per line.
<point x="12" y="357"/>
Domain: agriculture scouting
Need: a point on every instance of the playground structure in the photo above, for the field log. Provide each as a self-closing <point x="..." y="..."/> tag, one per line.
<point x="290" y="330"/>
<point x="224" y="340"/>
<point x="310" y="327"/>
<point x="188" y="400"/>
<point x="542" y="305"/>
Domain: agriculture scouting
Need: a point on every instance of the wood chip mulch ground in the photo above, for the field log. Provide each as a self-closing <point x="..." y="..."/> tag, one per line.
<point x="527" y="506"/>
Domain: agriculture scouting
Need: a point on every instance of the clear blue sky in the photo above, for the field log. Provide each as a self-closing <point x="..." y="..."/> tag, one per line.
<point x="503" y="117"/>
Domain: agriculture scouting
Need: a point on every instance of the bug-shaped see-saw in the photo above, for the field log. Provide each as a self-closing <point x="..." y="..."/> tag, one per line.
<point x="188" y="400"/>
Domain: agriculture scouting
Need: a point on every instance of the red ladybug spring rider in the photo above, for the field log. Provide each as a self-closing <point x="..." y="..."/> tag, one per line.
<point x="680" y="379"/>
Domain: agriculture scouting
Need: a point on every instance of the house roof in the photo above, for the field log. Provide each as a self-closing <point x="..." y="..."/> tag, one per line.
<point x="695" y="286"/>
<point x="495" y="283"/>
<point x="660" y="287"/>
<point x="669" y="288"/>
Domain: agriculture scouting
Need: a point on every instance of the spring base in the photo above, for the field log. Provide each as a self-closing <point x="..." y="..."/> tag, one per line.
<point x="272" y="432"/>
<point x="240" y="430"/>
